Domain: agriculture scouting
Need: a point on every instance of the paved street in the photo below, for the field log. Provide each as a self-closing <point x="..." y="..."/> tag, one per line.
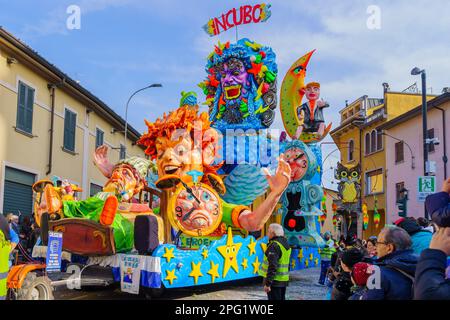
<point x="302" y="287"/>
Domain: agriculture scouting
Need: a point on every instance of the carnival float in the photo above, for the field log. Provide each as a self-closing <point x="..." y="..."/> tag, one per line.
<point x="221" y="177"/>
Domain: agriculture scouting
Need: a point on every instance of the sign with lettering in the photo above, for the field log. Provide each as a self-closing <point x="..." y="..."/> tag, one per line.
<point x="237" y="16"/>
<point x="54" y="251"/>
<point x="130" y="273"/>
<point x="425" y="186"/>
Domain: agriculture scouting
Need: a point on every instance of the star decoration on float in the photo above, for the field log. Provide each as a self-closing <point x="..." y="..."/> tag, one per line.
<point x="293" y="264"/>
<point x="170" y="276"/>
<point x="214" y="271"/>
<point x="168" y="254"/>
<point x="300" y="254"/>
<point x="244" y="263"/>
<point x="306" y="263"/>
<point x="316" y="261"/>
<point x="195" y="273"/>
<point x="229" y="253"/>
<point x="252" y="246"/>
<point x="256" y="265"/>
<point x="263" y="246"/>
<point x="205" y="253"/>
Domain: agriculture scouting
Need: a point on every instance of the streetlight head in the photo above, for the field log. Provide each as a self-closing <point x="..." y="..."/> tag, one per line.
<point x="416" y="71"/>
<point x="156" y="85"/>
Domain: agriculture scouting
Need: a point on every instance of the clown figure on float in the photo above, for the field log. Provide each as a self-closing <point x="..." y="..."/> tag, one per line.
<point x="300" y="200"/>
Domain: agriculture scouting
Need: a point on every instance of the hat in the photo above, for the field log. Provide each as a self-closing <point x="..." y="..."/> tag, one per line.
<point x="141" y="165"/>
<point x="409" y="225"/>
<point x="351" y="257"/>
<point x="360" y="273"/>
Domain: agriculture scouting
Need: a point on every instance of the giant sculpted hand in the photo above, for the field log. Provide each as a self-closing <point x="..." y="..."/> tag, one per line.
<point x="280" y="180"/>
<point x="255" y="220"/>
<point x="102" y="162"/>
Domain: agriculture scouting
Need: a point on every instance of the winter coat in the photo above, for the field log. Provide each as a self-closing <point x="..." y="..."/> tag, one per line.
<point x="342" y="287"/>
<point x="430" y="282"/>
<point x="358" y="293"/>
<point x="421" y="241"/>
<point x="273" y="253"/>
<point x="420" y="237"/>
<point x="438" y="208"/>
<point x="394" y="285"/>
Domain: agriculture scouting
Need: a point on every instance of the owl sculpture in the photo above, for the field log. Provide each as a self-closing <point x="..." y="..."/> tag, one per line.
<point x="349" y="178"/>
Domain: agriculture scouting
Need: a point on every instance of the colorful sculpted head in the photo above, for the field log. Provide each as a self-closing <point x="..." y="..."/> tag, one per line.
<point x="301" y="160"/>
<point x="241" y="85"/>
<point x="312" y="91"/>
<point x="181" y="141"/>
<point x="128" y="178"/>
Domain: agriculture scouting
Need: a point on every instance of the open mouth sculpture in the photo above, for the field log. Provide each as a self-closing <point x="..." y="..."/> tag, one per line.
<point x="232" y="92"/>
<point x="171" y="169"/>
<point x="199" y="219"/>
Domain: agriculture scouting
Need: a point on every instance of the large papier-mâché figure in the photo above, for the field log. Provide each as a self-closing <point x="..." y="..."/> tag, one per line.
<point x="241" y="86"/>
<point x="184" y="146"/>
<point x="114" y="206"/>
<point x="300" y="200"/>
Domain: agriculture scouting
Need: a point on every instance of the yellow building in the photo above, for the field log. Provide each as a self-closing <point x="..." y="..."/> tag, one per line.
<point x="50" y="126"/>
<point x="359" y="141"/>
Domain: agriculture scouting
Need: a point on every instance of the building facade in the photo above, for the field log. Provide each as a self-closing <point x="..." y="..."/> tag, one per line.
<point x="50" y="126"/>
<point x="404" y="156"/>
<point x="360" y="140"/>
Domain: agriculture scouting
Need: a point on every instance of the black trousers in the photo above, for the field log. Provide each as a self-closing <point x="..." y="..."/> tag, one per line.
<point x="277" y="293"/>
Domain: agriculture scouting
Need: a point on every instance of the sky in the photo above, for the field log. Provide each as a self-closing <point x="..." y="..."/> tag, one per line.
<point x="124" y="45"/>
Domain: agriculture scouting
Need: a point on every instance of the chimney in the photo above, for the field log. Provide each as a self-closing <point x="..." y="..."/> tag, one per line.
<point x="386" y="87"/>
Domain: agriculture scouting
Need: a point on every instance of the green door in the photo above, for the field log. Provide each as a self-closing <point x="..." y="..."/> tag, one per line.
<point x="18" y="194"/>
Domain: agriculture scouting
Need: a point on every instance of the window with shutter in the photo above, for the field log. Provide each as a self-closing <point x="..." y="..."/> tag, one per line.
<point x="373" y="141"/>
<point x="25" y="101"/>
<point x="399" y="152"/>
<point x="70" y="122"/>
<point x="99" y="134"/>
<point x="367" y="143"/>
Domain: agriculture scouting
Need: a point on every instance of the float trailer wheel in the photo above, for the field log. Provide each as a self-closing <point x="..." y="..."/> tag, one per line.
<point x="35" y="287"/>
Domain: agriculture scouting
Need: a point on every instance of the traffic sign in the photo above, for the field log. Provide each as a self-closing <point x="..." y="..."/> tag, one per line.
<point x="425" y="186"/>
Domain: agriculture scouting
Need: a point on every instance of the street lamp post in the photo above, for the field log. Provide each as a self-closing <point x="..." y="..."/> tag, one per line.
<point x="416" y="71"/>
<point x="155" y="85"/>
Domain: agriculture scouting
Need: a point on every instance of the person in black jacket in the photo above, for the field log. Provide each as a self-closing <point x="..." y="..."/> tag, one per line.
<point x="276" y="290"/>
<point x="438" y="206"/>
<point x="430" y="281"/>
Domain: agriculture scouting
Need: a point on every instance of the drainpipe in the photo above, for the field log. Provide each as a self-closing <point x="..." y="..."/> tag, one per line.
<point x="444" y="158"/>
<point x="52" y="88"/>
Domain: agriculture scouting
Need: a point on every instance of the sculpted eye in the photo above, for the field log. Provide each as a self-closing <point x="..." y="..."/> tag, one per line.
<point x="343" y="174"/>
<point x="354" y="174"/>
<point x="206" y="196"/>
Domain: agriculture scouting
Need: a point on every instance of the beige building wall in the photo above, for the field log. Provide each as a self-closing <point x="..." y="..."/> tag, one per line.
<point x="30" y="153"/>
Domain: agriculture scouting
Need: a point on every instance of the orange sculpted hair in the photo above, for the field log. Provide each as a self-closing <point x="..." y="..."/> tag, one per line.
<point x="182" y="118"/>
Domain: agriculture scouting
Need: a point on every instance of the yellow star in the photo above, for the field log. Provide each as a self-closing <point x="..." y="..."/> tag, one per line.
<point x="170" y="276"/>
<point x="263" y="246"/>
<point x="316" y="261"/>
<point x="306" y="263"/>
<point x="300" y="254"/>
<point x="256" y="265"/>
<point x="244" y="264"/>
<point x="293" y="263"/>
<point x="205" y="253"/>
<point x="311" y="257"/>
<point x="229" y="253"/>
<point x="168" y="253"/>
<point x="214" y="271"/>
<point x="252" y="246"/>
<point x="196" y="273"/>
